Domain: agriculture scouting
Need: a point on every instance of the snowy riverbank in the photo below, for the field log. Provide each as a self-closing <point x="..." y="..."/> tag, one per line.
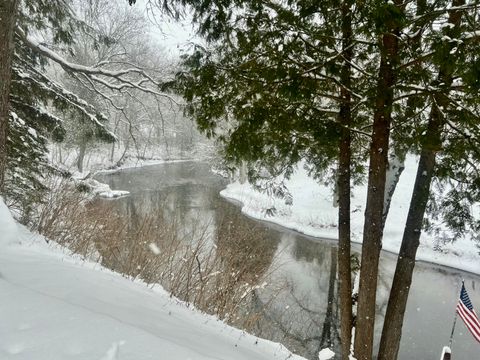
<point x="99" y="158"/>
<point x="56" y="306"/>
<point x="95" y="166"/>
<point x="103" y="190"/>
<point x="313" y="213"/>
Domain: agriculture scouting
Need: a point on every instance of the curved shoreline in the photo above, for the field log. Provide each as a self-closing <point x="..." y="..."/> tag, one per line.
<point x="450" y="261"/>
<point x="333" y="238"/>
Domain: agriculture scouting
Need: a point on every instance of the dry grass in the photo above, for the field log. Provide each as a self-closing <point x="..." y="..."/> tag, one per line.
<point x="66" y="218"/>
<point x="218" y="272"/>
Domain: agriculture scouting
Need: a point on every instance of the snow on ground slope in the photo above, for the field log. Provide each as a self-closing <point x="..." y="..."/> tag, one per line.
<point x="53" y="306"/>
<point x="8" y="227"/>
<point x="313" y="213"/>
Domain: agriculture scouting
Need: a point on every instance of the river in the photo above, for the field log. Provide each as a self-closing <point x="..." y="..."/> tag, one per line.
<point x="295" y="303"/>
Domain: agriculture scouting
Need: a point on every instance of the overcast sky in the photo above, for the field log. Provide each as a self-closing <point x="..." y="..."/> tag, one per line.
<point x="173" y="35"/>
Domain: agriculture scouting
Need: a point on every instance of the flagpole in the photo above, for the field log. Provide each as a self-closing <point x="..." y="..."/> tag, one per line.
<point x="454" y="321"/>
<point x="453" y="330"/>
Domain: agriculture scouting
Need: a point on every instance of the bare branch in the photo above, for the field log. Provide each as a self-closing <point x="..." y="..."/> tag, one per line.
<point x="119" y="83"/>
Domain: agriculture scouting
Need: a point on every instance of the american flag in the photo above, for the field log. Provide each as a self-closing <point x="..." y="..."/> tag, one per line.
<point x="466" y="312"/>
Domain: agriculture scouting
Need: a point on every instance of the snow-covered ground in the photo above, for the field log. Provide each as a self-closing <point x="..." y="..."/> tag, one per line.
<point x="103" y="190"/>
<point x="135" y="163"/>
<point x="98" y="159"/>
<point x="55" y="306"/>
<point x="313" y="213"/>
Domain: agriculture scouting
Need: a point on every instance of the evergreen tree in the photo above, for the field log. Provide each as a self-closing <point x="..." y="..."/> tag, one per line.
<point x="37" y="102"/>
<point x="390" y="20"/>
<point x="272" y="70"/>
<point x="450" y="63"/>
<point x="290" y="88"/>
<point x="37" y="105"/>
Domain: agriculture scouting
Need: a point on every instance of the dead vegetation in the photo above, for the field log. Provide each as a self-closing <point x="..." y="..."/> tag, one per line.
<point x="215" y="267"/>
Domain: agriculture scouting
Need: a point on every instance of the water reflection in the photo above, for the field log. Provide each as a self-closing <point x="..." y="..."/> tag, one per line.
<point x="298" y="304"/>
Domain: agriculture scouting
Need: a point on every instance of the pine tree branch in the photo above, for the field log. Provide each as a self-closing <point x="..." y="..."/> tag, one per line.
<point x="43" y="82"/>
<point x="472" y="35"/>
<point x="416" y="61"/>
<point x="437" y="12"/>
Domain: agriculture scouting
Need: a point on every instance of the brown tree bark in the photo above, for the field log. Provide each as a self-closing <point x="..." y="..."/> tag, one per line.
<point x="373" y="226"/>
<point x="343" y="187"/>
<point x="402" y="280"/>
<point x="8" y="11"/>
<point x="416" y="43"/>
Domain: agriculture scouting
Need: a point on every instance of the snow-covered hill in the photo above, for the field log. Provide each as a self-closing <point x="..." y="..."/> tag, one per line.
<point x="55" y="306"/>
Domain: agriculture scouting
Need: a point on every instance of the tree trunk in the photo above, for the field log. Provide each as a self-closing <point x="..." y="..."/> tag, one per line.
<point x="115" y="129"/>
<point x="373" y="228"/>
<point x="335" y="185"/>
<point x="8" y="12"/>
<point x="395" y="169"/>
<point x="343" y="188"/>
<point x="112" y="152"/>
<point x="397" y="303"/>
<point x="390" y="341"/>
<point x="242" y="172"/>
<point x="81" y="154"/>
<point x="60" y="157"/>
<point x="120" y="161"/>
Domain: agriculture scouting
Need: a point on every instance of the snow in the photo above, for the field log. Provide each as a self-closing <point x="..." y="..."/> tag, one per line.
<point x="9" y="231"/>
<point x="326" y="354"/>
<point x="32" y="132"/>
<point x="313" y="213"/>
<point x="136" y="163"/>
<point x="56" y="306"/>
<point x="111" y="79"/>
<point x="113" y="352"/>
<point x="104" y="190"/>
<point x="51" y="86"/>
<point x="113" y="194"/>
<point x="472" y="34"/>
<point x="154" y="248"/>
<point x="98" y="158"/>
<point x="445" y="350"/>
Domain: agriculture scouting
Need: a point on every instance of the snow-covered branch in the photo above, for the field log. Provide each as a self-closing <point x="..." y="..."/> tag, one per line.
<point x="35" y="78"/>
<point x="116" y="80"/>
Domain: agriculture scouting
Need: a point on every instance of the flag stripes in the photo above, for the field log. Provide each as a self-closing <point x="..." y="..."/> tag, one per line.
<point x="467" y="313"/>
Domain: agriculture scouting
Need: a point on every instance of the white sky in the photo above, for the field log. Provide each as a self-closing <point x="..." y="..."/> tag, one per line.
<point x="174" y="36"/>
